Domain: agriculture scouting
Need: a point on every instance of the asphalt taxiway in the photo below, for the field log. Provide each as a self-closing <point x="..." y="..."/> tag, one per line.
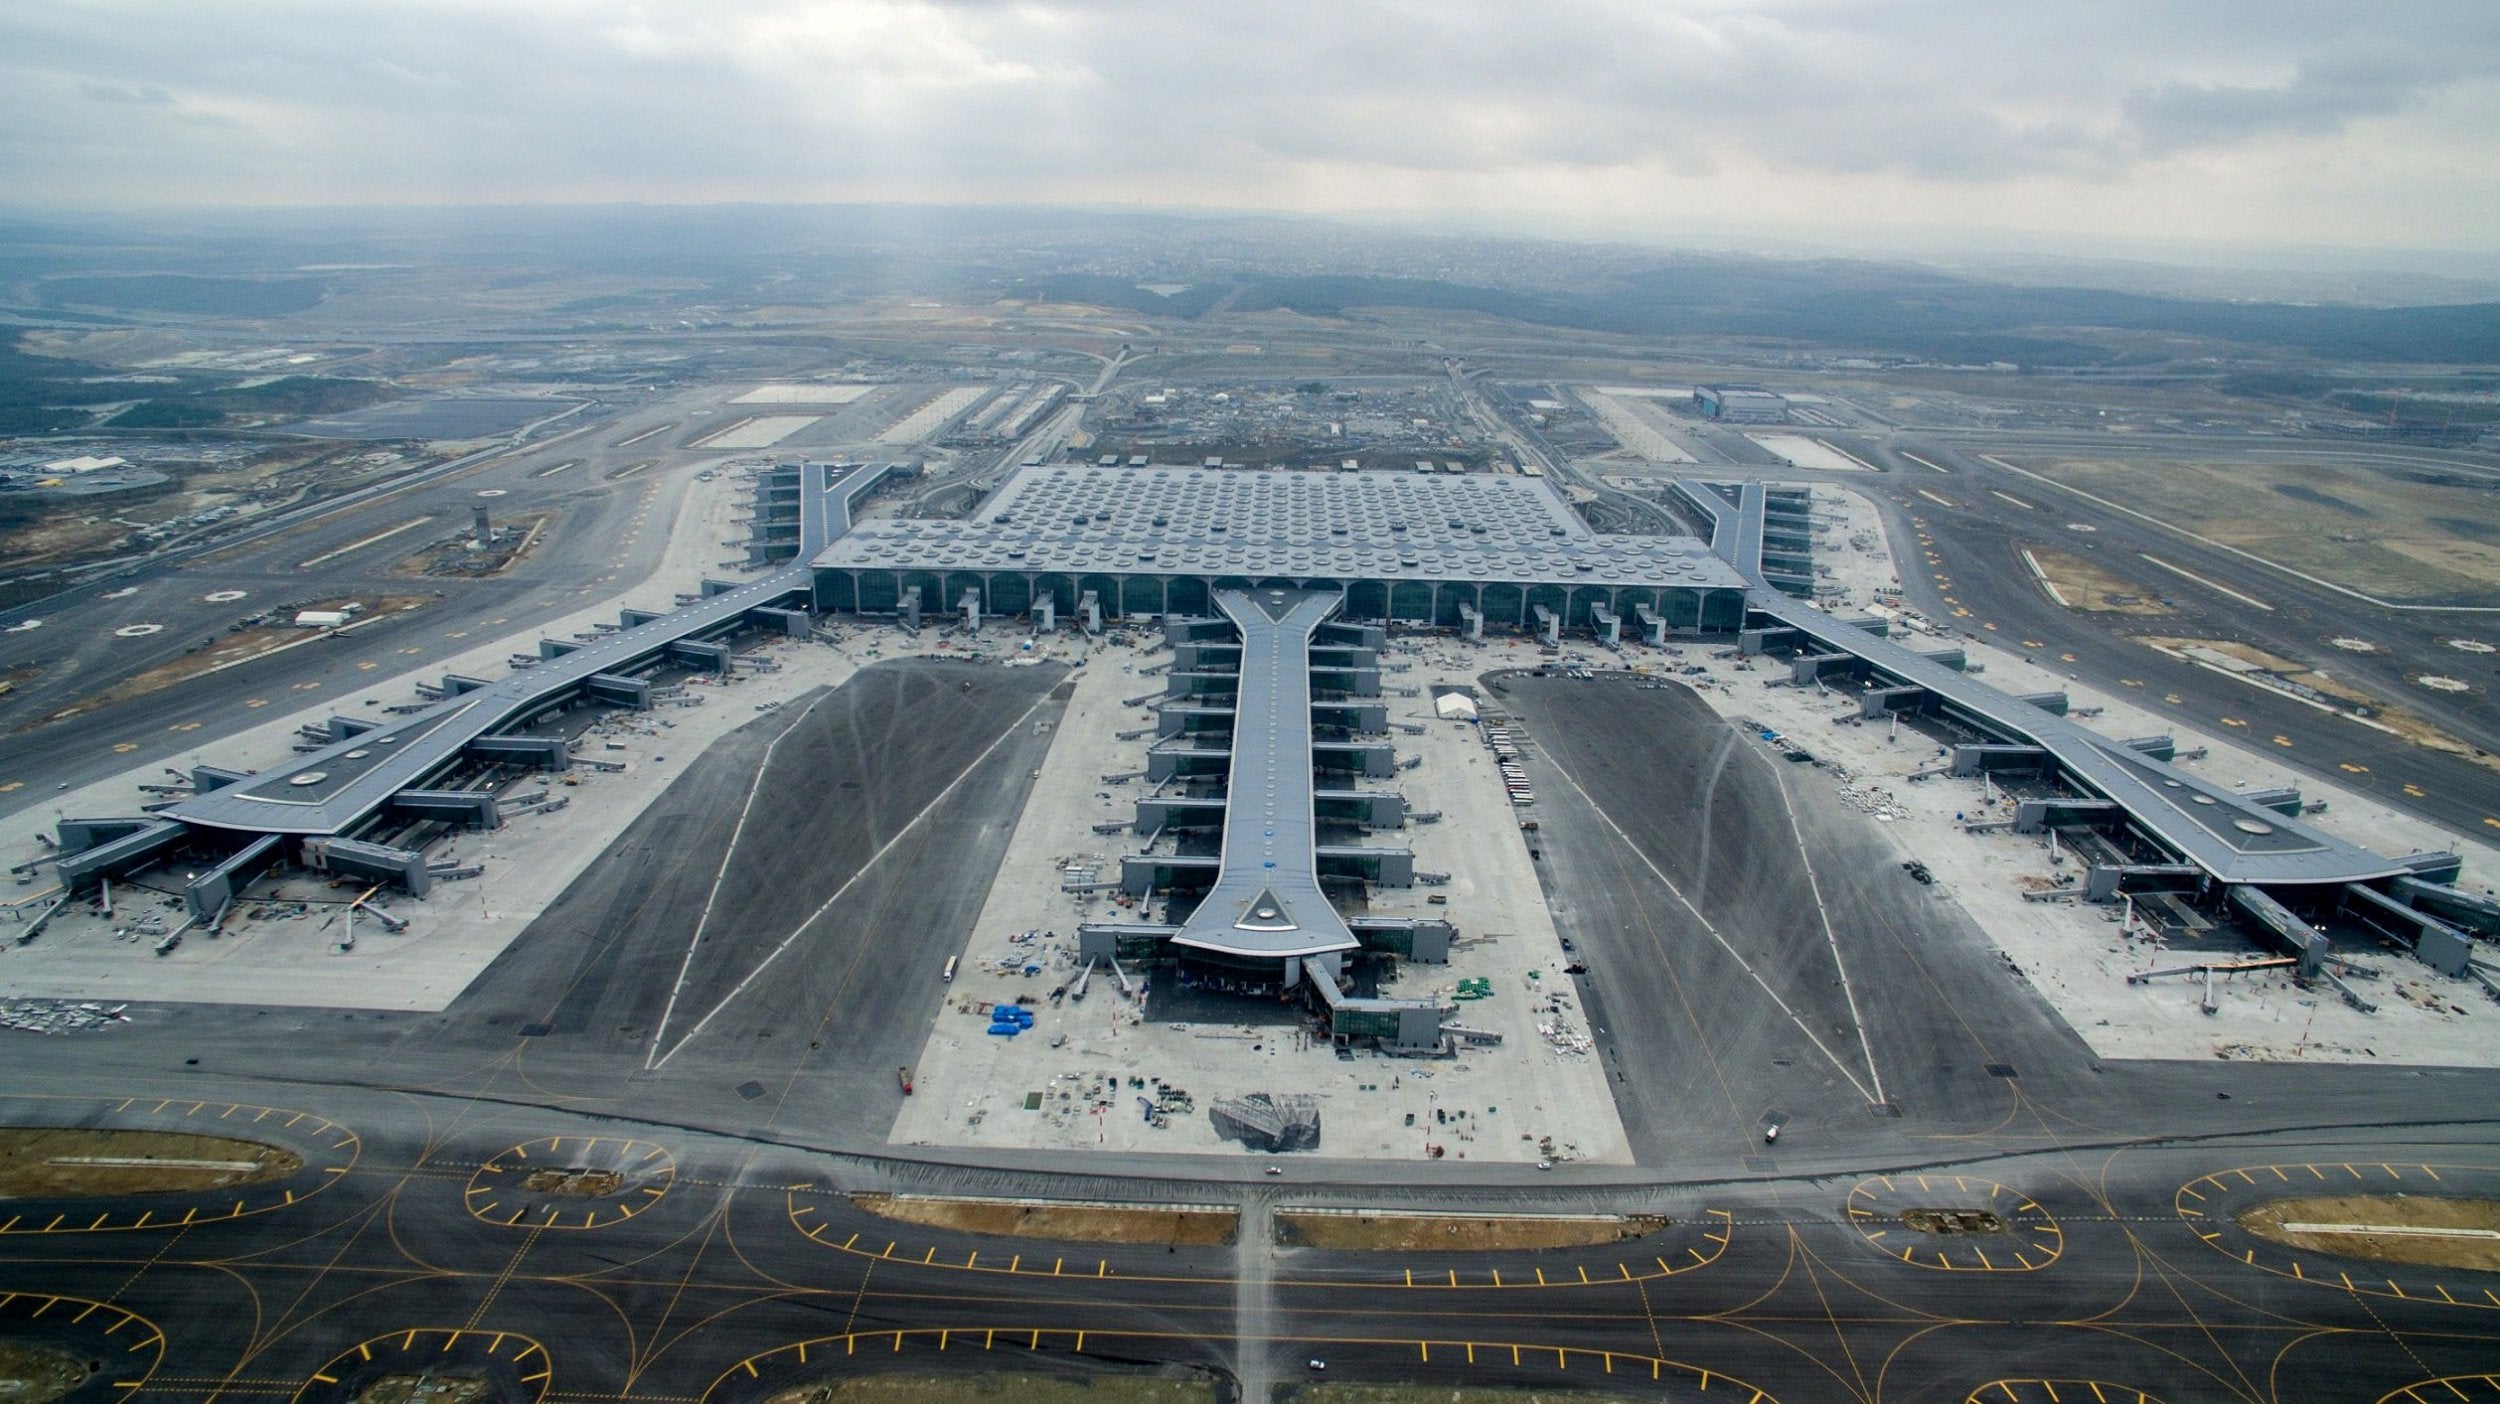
<point x="1960" y="522"/>
<point x="729" y="1269"/>
<point x="726" y="1261"/>
<point x="715" y="1016"/>
<point x="612" y="491"/>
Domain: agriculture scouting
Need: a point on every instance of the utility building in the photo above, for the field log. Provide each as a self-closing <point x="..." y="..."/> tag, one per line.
<point x="1741" y="404"/>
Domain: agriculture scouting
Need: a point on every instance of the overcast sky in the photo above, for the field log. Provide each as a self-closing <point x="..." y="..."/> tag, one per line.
<point x="2235" y="121"/>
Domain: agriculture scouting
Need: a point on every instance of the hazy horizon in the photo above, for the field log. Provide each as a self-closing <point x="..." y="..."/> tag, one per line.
<point x="2167" y="132"/>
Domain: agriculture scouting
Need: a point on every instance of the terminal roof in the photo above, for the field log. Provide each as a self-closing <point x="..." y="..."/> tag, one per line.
<point x="1218" y="522"/>
<point x="1267" y="899"/>
<point x="333" y="788"/>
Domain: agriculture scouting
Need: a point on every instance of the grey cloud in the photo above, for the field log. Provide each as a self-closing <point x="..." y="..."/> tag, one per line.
<point x="2322" y="98"/>
<point x="957" y="99"/>
<point x="127" y="96"/>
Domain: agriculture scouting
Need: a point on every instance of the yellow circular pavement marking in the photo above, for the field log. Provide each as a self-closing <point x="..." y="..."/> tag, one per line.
<point x="125" y="1346"/>
<point x="2058" y="1392"/>
<point x="800" y="1363"/>
<point x="329" y="1151"/>
<point x="2450" y="1389"/>
<point x="570" y="1182"/>
<point x="516" y="1368"/>
<point x="2210" y="1204"/>
<point x="1954" y="1223"/>
<point x="1691" y="1243"/>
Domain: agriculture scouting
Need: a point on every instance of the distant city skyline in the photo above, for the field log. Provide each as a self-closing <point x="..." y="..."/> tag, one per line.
<point x="1900" y="126"/>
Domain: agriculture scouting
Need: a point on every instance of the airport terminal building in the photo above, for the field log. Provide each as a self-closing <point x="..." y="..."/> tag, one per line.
<point x="1275" y="590"/>
<point x="1084" y="544"/>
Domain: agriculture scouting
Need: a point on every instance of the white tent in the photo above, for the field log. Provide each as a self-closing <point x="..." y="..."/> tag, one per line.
<point x="1455" y="706"/>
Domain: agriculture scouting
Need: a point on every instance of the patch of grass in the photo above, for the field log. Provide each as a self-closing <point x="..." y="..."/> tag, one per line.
<point x="915" y="1388"/>
<point x="44" y="1162"/>
<point x="429" y="1388"/>
<point x="33" y="1374"/>
<point x="2303" y="516"/>
<point x="1079" y="1223"/>
<point x="1446" y="1395"/>
<point x="2084" y="585"/>
<point x="2392" y="1210"/>
<point x="1459" y="1233"/>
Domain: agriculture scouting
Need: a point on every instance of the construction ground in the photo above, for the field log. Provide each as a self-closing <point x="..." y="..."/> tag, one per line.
<point x="1093" y="1071"/>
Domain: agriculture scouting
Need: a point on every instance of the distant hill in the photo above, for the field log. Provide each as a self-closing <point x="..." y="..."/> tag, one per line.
<point x="185" y="293"/>
<point x="42" y="395"/>
<point x="39" y="394"/>
<point x="1909" y="311"/>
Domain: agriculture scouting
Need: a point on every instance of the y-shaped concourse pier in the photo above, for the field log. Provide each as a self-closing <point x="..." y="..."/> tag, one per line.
<point x="1267" y="901"/>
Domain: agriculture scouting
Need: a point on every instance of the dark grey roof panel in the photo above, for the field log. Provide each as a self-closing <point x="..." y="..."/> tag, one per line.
<point x="1345" y="526"/>
<point x="1267" y="899"/>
